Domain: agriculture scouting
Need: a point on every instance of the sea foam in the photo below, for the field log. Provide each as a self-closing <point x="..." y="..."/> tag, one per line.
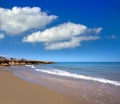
<point x="78" y="76"/>
<point x="32" y="66"/>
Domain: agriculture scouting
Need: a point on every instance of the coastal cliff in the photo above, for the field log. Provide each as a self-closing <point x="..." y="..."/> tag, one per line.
<point x="12" y="61"/>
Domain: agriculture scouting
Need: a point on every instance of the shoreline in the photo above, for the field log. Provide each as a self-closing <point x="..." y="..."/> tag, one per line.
<point x="14" y="90"/>
<point x="28" y="86"/>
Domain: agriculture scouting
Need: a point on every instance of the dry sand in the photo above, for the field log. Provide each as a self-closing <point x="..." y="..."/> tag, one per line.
<point x="14" y="90"/>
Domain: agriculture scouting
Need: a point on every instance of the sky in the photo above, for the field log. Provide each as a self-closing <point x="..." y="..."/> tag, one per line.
<point x="61" y="30"/>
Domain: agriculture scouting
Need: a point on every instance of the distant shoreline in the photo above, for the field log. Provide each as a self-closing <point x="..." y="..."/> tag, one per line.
<point x="13" y="61"/>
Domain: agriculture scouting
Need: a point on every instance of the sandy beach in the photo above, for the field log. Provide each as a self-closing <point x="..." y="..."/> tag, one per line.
<point x="14" y="90"/>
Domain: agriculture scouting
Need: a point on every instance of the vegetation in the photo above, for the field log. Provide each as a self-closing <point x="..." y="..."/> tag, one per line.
<point x="13" y="61"/>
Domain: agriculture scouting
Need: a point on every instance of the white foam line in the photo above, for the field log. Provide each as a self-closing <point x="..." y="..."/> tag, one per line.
<point x="73" y="75"/>
<point x="32" y="66"/>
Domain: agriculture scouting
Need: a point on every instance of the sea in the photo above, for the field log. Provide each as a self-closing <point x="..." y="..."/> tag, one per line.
<point x="82" y="82"/>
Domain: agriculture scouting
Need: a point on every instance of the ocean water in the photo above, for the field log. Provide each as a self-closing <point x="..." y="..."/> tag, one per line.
<point x="104" y="72"/>
<point x="86" y="82"/>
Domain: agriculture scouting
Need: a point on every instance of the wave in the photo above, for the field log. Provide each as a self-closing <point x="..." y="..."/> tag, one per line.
<point x="31" y="66"/>
<point x="78" y="76"/>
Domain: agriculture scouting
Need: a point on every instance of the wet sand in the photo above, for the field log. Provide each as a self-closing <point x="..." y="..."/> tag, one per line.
<point x="14" y="90"/>
<point x="29" y="87"/>
<point x="78" y="90"/>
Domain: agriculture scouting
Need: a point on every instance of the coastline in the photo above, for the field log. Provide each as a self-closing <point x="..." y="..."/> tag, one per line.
<point x="25" y="85"/>
<point x="14" y="90"/>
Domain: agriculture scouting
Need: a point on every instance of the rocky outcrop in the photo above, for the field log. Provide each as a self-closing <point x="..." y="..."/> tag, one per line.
<point x="12" y="61"/>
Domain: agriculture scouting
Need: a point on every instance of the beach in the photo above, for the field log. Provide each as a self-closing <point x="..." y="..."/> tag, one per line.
<point x="14" y="90"/>
<point x="61" y="83"/>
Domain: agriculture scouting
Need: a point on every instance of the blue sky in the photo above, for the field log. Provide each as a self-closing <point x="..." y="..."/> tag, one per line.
<point x="69" y="30"/>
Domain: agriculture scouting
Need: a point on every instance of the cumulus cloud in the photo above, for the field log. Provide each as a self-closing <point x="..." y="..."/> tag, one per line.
<point x="57" y="33"/>
<point x="19" y="20"/>
<point x="2" y="36"/>
<point x="66" y="35"/>
<point x="74" y="42"/>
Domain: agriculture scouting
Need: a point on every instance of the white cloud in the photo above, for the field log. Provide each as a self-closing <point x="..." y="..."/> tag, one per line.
<point x="18" y="20"/>
<point x="112" y="37"/>
<point x="2" y="36"/>
<point x="57" y="33"/>
<point x="74" y="42"/>
<point x="95" y="30"/>
<point x="67" y="35"/>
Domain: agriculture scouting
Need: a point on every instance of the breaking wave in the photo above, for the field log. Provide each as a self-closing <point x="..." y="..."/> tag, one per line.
<point x="78" y="76"/>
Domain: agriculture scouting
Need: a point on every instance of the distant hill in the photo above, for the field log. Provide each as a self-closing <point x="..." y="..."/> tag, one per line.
<point x="13" y="61"/>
